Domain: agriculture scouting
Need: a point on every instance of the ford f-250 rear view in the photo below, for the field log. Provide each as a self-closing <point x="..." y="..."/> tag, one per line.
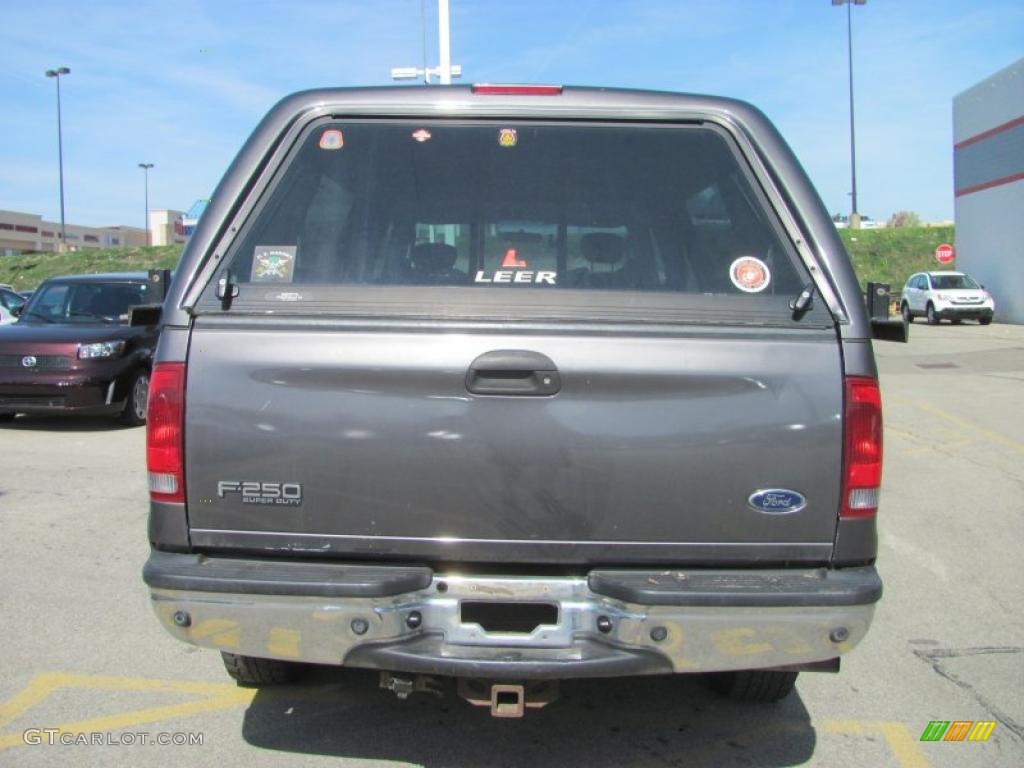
<point x="513" y="385"/>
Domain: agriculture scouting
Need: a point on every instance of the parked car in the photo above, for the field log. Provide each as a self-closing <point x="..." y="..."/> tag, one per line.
<point x="10" y="304"/>
<point x="515" y="384"/>
<point x="72" y="350"/>
<point x="953" y="296"/>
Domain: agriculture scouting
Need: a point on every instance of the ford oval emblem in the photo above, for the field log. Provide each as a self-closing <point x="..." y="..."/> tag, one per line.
<point x="29" y="361"/>
<point x="777" y="501"/>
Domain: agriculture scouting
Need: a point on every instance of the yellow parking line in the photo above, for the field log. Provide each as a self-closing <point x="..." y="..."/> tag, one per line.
<point x="910" y="437"/>
<point x="35" y="692"/>
<point x="899" y="738"/>
<point x="42" y="685"/>
<point x="241" y="696"/>
<point x="216" y="696"/>
<point x="219" y="696"/>
<point x="995" y="437"/>
<point x="115" y="682"/>
<point x="926" y="445"/>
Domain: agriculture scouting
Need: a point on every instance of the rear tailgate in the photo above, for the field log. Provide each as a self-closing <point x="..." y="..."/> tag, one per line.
<point x="637" y="272"/>
<point x="649" y="452"/>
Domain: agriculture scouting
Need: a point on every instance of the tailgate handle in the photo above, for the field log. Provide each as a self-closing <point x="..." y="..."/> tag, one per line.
<point x="513" y="372"/>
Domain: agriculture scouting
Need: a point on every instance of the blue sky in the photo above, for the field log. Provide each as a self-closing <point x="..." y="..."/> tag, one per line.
<point x="181" y="85"/>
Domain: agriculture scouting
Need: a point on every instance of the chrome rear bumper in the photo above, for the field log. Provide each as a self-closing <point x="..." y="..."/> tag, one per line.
<point x="718" y="623"/>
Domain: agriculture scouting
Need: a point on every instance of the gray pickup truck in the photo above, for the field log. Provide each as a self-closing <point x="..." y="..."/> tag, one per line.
<point x="515" y="384"/>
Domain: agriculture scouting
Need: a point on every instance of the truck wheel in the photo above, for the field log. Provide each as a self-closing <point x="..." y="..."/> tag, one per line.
<point x="249" y="670"/>
<point x="134" y="413"/>
<point x="905" y="311"/>
<point x="754" y="684"/>
<point x="933" y="319"/>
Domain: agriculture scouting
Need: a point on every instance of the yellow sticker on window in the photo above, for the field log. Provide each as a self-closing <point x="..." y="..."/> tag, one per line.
<point x="507" y="137"/>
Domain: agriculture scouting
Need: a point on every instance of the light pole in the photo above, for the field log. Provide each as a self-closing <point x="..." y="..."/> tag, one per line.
<point x="854" y="215"/>
<point x="145" y="171"/>
<point x="56" y="73"/>
<point x="444" y="43"/>
<point x="445" y="70"/>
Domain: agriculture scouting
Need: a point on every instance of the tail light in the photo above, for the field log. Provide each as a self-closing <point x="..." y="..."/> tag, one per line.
<point x="862" y="449"/>
<point x="486" y="89"/>
<point x="165" y="424"/>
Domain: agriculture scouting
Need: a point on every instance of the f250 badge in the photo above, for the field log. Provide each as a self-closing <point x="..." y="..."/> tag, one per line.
<point x="252" y="492"/>
<point x="777" y="501"/>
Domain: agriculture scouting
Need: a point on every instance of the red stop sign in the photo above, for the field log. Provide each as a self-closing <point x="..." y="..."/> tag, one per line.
<point x="945" y="254"/>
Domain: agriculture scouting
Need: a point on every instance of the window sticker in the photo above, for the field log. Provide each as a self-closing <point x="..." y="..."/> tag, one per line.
<point x="507" y="137"/>
<point x="511" y="260"/>
<point x="273" y="264"/>
<point x="332" y="139"/>
<point x="750" y="275"/>
<point x="421" y="135"/>
<point x="284" y="296"/>
<point x="514" y="270"/>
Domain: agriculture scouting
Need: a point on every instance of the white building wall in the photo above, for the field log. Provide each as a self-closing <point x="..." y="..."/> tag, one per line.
<point x="988" y="131"/>
<point x="166" y="227"/>
<point x="990" y="245"/>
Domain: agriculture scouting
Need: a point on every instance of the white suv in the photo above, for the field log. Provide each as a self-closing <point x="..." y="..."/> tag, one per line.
<point x="946" y="295"/>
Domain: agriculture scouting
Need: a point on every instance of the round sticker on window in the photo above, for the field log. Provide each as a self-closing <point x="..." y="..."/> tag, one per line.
<point x="750" y="275"/>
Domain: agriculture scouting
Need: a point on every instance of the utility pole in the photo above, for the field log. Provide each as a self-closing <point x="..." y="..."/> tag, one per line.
<point x="854" y="215"/>
<point x="445" y="70"/>
<point x="145" y="170"/>
<point x="56" y="73"/>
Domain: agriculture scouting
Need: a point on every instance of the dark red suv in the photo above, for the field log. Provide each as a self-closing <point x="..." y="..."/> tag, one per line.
<point x="73" y="350"/>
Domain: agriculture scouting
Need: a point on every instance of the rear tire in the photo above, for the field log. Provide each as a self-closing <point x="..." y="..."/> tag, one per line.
<point x="933" y="319"/>
<point x="134" y="413"/>
<point x="754" y="684"/>
<point x="905" y="311"/>
<point x="251" y="671"/>
<point x="955" y="321"/>
<point x="985" y="320"/>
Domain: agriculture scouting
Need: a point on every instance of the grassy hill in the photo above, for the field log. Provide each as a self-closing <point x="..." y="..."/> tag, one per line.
<point x="30" y="269"/>
<point x="879" y="255"/>
<point x="893" y="255"/>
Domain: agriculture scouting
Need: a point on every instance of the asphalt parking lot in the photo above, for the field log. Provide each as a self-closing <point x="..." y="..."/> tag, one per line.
<point x="83" y="653"/>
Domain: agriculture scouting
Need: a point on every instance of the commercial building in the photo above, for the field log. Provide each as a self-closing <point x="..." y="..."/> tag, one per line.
<point x="26" y="232"/>
<point x="988" y="173"/>
<point x="166" y="227"/>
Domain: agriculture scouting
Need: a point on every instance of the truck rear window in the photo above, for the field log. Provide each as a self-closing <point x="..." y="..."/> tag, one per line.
<point x="515" y="205"/>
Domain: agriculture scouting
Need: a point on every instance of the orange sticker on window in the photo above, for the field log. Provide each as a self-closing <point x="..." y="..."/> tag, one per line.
<point x="511" y="260"/>
<point x="750" y="275"/>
